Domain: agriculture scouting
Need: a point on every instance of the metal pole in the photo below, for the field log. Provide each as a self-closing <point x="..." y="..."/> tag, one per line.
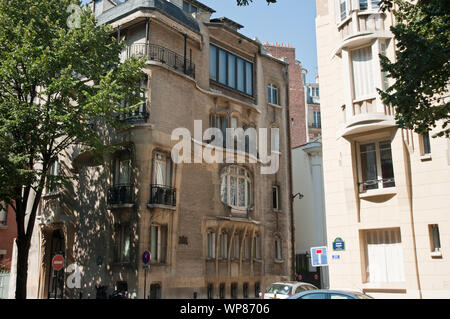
<point x="145" y="283"/>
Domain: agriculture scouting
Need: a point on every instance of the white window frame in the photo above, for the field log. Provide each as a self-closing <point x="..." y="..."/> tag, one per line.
<point x="378" y="160"/>
<point x="370" y="6"/>
<point x="271" y="89"/>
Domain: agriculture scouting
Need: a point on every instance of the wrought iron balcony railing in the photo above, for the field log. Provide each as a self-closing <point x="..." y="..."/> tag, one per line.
<point x="138" y="116"/>
<point x="163" y="195"/>
<point x="376" y="184"/>
<point x="120" y="194"/>
<point x="163" y="55"/>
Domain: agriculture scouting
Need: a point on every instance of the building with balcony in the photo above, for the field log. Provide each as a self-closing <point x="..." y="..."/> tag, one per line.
<point x="387" y="189"/>
<point x="210" y="228"/>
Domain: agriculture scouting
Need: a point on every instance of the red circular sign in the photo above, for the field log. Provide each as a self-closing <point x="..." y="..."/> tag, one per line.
<point x="58" y="262"/>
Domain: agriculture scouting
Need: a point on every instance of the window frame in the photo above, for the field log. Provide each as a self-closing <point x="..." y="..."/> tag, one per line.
<point x="223" y="245"/>
<point x="425" y="147"/>
<point x="211" y="237"/>
<point x="276" y="198"/>
<point x="247" y="76"/>
<point x="161" y="246"/>
<point x="120" y="230"/>
<point x="278" y="249"/>
<point x="257" y="247"/>
<point x="380" y="184"/>
<point x="435" y="247"/>
<point x="372" y="80"/>
<point x="230" y="172"/>
<point x="273" y="94"/>
<point x="370" y="5"/>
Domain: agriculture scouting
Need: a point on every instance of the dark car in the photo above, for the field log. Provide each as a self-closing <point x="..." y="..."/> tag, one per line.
<point x="330" y="294"/>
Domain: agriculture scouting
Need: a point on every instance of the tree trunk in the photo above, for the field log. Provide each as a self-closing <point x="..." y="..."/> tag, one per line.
<point x="23" y="248"/>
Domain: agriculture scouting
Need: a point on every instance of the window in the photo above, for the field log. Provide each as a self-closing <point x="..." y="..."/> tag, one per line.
<point x="245" y="290"/>
<point x="384" y="256"/>
<point x="230" y="70"/>
<point x="54" y="172"/>
<point x="257" y="247"/>
<point x="276" y="197"/>
<point x="278" y="254"/>
<point x="221" y="122"/>
<point x="234" y="290"/>
<point x="122" y="169"/>
<point x="369" y="5"/>
<point x="426" y="146"/>
<point x="189" y="8"/>
<point x="314" y="296"/>
<point x="222" y="291"/>
<point x="314" y="92"/>
<point x="155" y="291"/>
<point x="235" y="187"/>
<point x="211" y="245"/>
<point x="210" y="291"/>
<point x="162" y="169"/>
<point x="158" y="243"/>
<point x="3" y="217"/>
<point x="275" y="137"/>
<point x="223" y="246"/>
<point x="376" y="168"/>
<point x="141" y="111"/>
<point x="246" y="251"/>
<point x="122" y="243"/>
<point x="363" y="79"/>
<point x="435" y="239"/>
<point x="272" y="94"/>
<point x="317" y="121"/>
<point x="343" y="9"/>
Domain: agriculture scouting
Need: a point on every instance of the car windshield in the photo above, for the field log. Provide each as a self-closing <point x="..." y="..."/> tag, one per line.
<point x="279" y="289"/>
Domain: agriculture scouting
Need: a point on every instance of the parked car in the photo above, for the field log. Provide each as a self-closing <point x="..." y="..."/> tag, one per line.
<point x="283" y="290"/>
<point x="330" y="294"/>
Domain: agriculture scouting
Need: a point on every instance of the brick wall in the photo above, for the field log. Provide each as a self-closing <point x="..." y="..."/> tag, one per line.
<point x="296" y="92"/>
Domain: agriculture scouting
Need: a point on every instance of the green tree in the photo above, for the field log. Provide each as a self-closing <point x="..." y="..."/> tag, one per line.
<point x="421" y="70"/>
<point x="59" y="72"/>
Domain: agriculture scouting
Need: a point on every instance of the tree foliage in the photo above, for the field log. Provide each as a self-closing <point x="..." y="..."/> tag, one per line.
<point x="421" y="70"/>
<point x="56" y="78"/>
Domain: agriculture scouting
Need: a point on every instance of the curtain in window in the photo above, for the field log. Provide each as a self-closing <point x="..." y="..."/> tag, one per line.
<point x="384" y="256"/>
<point x="363" y="79"/>
<point x="369" y="165"/>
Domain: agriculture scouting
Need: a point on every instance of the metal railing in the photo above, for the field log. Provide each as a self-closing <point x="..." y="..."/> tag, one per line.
<point x="120" y="194"/>
<point x="376" y="184"/>
<point x="163" y="55"/>
<point x="163" y="195"/>
<point x="137" y="116"/>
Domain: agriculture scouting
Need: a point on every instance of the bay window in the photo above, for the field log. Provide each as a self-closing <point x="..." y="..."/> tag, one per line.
<point x="230" y="70"/>
<point x="235" y="187"/>
<point x="363" y="76"/>
<point x="369" y="5"/>
<point x="376" y="169"/>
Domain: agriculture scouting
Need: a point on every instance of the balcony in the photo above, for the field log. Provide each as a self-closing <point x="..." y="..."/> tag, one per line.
<point x="162" y="196"/>
<point x="366" y="115"/>
<point x="385" y="186"/>
<point x="121" y="195"/>
<point x="157" y="53"/>
<point x="138" y="116"/>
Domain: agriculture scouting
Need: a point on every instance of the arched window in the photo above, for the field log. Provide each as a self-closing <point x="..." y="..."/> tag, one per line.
<point x="211" y="245"/>
<point x="235" y="187"/>
<point x="223" y="245"/>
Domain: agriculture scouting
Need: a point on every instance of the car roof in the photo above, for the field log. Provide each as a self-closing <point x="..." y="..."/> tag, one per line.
<point x="344" y="292"/>
<point x="290" y="283"/>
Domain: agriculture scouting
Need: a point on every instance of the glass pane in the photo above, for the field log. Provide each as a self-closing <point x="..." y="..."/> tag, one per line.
<point x="426" y="143"/>
<point x="232" y="71"/>
<point x="314" y="296"/>
<point x="240" y="74"/>
<point x="124" y="172"/>
<point x="369" y="166"/>
<point x="233" y="191"/>
<point x="213" y="62"/>
<point x="275" y="197"/>
<point x="224" y="189"/>
<point x="222" y="67"/>
<point x="275" y="95"/>
<point x="154" y="242"/>
<point x="387" y="170"/>
<point x="269" y="94"/>
<point x="249" y="78"/>
<point x="242" y="192"/>
<point x="126" y="243"/>
<point x="362" y="5"/>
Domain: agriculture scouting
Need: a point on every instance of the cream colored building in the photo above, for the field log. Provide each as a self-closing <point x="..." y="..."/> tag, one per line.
<point x="387" y="190"/>
<point x="212" y="229"/>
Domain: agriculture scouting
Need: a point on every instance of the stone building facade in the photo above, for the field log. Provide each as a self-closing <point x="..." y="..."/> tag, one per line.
<point x="212" y="229"/>
<point x="387" y="189"/>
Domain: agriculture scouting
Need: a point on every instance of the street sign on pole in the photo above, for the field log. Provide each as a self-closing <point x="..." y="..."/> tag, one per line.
<point x="58" y="262"/>
<point x="146" y="257"/>
<point x="319" y="256"/>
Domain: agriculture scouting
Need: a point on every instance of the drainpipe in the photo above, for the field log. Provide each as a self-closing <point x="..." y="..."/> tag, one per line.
<point x="289" y="153"/>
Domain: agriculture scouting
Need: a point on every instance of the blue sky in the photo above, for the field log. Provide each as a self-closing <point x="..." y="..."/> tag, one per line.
<point x="287" y="21"/>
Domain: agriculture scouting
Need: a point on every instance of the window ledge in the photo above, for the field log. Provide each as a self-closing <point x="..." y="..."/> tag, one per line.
<point x="210" y="259"/>
<point x="384" y="286"/>
<point x="3" y="226"/>
<point x="51" y="194"/>
<point x="436" y="254"/>
<point x="117" y="206"/>
<point x="275" y="106"/>
<point x="379" y="192"/>
<point x="257" y="260"/>
<point x="425" y="157"/>
<point x="277" y="210"/>
<point x="279" y="261"/>
<point x="344" y="21"/>
<point x="161" y="206"/>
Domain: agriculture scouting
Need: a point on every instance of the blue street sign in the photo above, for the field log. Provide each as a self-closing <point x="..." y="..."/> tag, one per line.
<point x="338" y="244"/>
<point x="319" y="256"/>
